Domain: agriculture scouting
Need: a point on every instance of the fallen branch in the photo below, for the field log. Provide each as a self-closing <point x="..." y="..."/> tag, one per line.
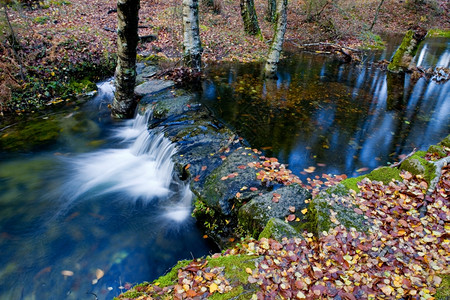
<point x="403" y="159"/>
<point x="441" y="163"/>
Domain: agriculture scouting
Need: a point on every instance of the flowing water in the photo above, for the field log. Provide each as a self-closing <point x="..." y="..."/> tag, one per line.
<point x="96" y="211"/>
<point x="335" y="117"/>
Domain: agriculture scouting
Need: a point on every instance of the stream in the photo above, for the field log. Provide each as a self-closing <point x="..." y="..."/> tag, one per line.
<point x="94" y="212"/>
<point x="89" y="206"/>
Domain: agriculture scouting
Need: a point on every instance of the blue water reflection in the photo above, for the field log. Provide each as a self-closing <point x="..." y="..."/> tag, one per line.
<point x="340" y="118"/>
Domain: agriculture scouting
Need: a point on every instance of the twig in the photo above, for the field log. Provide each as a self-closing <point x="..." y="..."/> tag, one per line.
<point x="403" y="159"/>
<point x="376" y="15"/>
<point x="14" y="42"/>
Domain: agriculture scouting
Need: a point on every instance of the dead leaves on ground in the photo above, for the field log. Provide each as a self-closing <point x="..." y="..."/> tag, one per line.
<point x="399" y="258"/>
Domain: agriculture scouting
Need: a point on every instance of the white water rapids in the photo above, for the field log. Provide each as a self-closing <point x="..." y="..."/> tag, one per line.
<point x="138" y="167"/>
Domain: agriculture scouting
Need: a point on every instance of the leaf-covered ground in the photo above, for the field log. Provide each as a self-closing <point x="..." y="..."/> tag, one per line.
<point x="404" y="255"/>
<point x="60" y="41"/>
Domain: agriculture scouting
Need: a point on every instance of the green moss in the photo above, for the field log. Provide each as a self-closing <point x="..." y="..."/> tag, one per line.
<point x="371" y="41"/>
<point x="82" y="86"/>
<point x="443" y="292"/>
<point x="235" y="266"/>
<point x="417" y="165"/>
<point x="446" y="141"/>
<point x="171" y="277"/>
<point x="438" y="33"/>
<point x="277" y="229"/>
<point x="132" y="294"/>
<point x="352" y="183"/>
<point x="396" y="64"/>
<point x="437" y="150"/>
<point x="384" y="174"/>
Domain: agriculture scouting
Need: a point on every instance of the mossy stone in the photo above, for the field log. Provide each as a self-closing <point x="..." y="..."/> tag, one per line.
<point x="277" y="229"/>
<point x="446" y="141"/>
<point x="254" y="215"/>
<point x="437" y="150"/>
<point x="319" y="210"/>
<point x="383" y="174"/>
<point x="417" y="165"/>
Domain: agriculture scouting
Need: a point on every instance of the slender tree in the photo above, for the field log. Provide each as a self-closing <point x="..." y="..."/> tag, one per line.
<point x="270" y="70"/>
<point x="125" y="100"/>
<point x="376" y="15"/>
<point x="271" y="11"/>
<point x="249" y="17"/>
<point x="192" y="46"/>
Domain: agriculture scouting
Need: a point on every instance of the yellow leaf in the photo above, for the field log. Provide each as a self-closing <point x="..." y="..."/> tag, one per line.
<point x="248" y="270"/>
<point x="99" y="273"/>
<point x="304" y="211"/>
<point x="213" y="287"/>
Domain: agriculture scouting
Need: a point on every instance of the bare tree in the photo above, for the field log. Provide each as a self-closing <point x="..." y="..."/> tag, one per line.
<point x="125" y="100"/>
<point x="271" y="10"/>
<point x="192" y="46"/>
<point x="270" y="70"/>
<point x="249" y="17"/>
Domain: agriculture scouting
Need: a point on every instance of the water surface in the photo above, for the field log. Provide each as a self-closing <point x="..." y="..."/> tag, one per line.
<point x="339" y="118"/>
<point x="92" y="209"/>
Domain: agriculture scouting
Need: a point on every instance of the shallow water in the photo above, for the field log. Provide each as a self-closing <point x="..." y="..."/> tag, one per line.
<point x="338" y="118"/>
<point x="96" y="210"/>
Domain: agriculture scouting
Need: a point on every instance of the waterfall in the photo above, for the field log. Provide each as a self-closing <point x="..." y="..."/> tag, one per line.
<point x="137" y="168"/>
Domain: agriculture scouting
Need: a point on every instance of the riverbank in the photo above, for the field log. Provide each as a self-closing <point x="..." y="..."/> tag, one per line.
<point x="307" y="241"/>
<point x="61" y="47"/>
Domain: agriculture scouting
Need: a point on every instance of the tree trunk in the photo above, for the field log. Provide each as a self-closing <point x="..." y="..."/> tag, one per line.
<point x="271" y="11"/>
<point x="376" y="15"/>
<point x="402" y="60"/>
<point x="270" y="70"/>
<point x="192" y="47"/>
<point x="249" y="17"/>
<point x="125" y="100"/>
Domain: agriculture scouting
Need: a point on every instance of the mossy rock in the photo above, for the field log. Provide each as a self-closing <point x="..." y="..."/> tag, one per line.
<point x="437" y="150"/>
<point x="234" y="271"/>
<point x="438" y="33"/>
<point x="417" y="165"/>
<point x="82" y="86"/>
<point x="446" y="141"/>
<point x="254" y="215"/>
<point x="220" y="191"/>
<point x="383" y="174"/>
<point x="278" y="229"/>
<point x="318" y="215"/>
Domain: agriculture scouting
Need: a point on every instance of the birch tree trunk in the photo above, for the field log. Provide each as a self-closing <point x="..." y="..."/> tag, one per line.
<point x="249" y="17"/>
<point x="192" y="46"/>
<point x="125" y="100"/>
<point x="270" y="70"/>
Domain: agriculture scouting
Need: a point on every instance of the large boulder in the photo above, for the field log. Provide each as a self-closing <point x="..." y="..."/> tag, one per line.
<point x="281" y="203"/>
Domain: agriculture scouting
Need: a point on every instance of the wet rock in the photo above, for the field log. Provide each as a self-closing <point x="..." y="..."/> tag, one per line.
<point x="145" y="72"/>
<point x="328" y="209"/>
<point x="225" y="182"/>
<point x="153" y="86"/>
<point x="254" y="215"/>
<point x="417" y="165"/>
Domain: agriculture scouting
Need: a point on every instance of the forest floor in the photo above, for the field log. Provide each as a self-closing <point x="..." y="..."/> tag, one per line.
<point x="59" y="43"/>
